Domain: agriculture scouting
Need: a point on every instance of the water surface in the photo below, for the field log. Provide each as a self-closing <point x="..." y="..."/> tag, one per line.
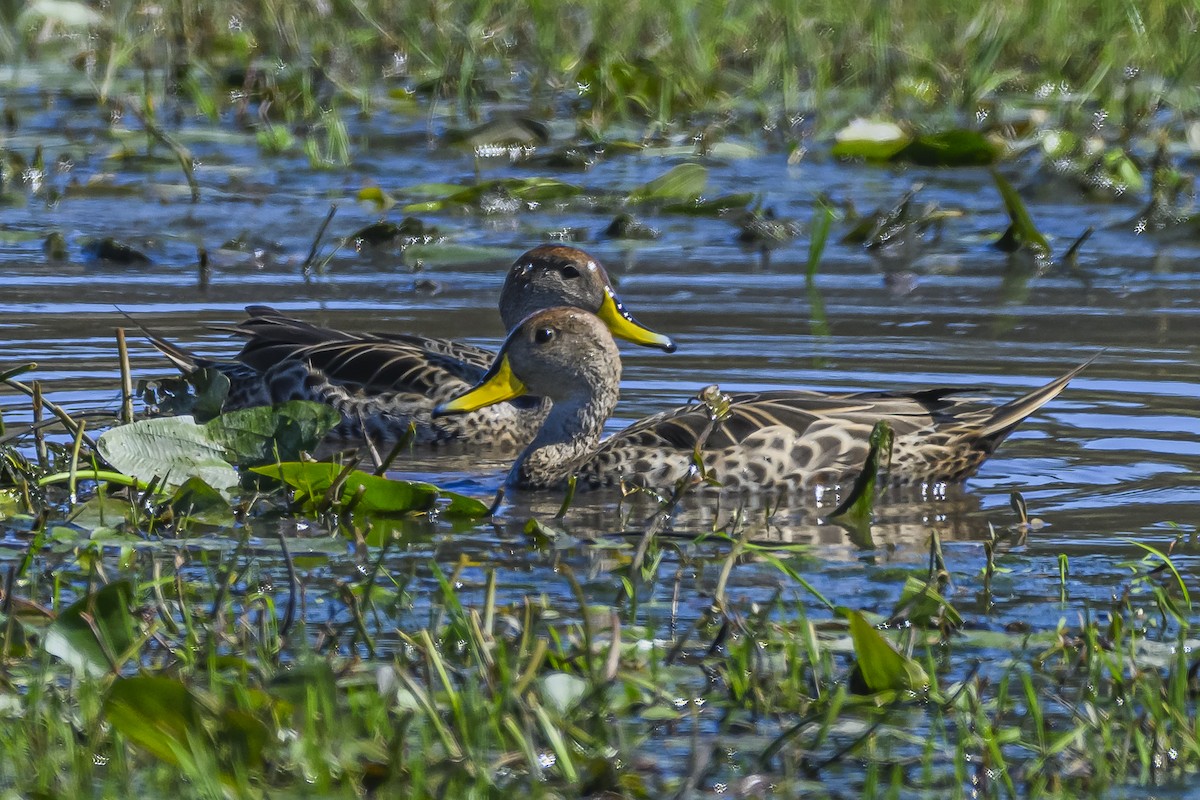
<point x="1115" y="457"/>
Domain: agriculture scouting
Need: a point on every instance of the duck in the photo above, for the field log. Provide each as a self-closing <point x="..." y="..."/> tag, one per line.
<point x="780" y="440"/>
<point x="385" y="385"/>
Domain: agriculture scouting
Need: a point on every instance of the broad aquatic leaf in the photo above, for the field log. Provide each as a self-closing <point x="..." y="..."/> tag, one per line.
<point x="952" y="148"/>
<point x="103" y="510"/>
<point x="199" y="502"/>
<point x="520" y="190"/>
<point x="463" y="507"/>
<point x="379" y="494"/>
<point x="711" y="207"/>
<point x="264" y="434"/>
<point x="93" y="628"/>
<point x="431" y="189"/>
<point x="684" y="182"/>
<point x="432" y="255"/>
<point x="1021" y="229"/>
<point x="732" y="150"/>
<point x="156" y="713"/>
<point x="171" y="448"/>
<point x="883" y="668"/>
<point x="874" y="141"/>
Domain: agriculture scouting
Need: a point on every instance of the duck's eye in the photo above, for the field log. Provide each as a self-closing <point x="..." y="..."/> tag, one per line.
<point x="543" y="335"/>
<point x="570" y="272"/>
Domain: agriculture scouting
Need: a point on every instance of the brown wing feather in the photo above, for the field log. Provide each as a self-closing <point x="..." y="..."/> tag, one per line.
<point x="750" y="413"/>
<point x="799" y="438"/>
<point x="370" y="362"/>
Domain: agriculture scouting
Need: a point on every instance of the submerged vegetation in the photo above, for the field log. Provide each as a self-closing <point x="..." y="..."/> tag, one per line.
<point x="193" y="605"/>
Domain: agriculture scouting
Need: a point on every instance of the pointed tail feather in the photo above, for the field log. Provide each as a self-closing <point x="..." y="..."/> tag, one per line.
<point x="184" y="361"/>
<point x="1008" y="416"/>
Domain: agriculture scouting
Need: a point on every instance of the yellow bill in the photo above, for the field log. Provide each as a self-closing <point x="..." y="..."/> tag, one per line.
<point x="498" y="385"/>
<point x="613" y="314"/>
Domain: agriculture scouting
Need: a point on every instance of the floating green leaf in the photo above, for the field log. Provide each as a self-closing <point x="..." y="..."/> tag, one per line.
<point x="378" y="494"/>
<point x="874" y="141"/>
<point x="201" y="394"/>
<point x="683" y="182"/>
<point x="458" y="254"/>
<point x="952" y="148"/>
<point x="171" y="448"/>
<point x="463" y="507"/>
<point x="879" y="665"/>
<point x="524" y="190"/>
<point x="431" y="189"/>
<point x="378" y="233"/>
<point x="95" y="633"/>
<point x="711" y="207"/>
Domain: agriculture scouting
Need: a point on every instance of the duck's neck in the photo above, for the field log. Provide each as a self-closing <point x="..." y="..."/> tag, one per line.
<point x="569" y="434"/>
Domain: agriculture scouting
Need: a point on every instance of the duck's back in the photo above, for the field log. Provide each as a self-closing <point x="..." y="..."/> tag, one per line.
<point x="798" y="439"/>
<point x="381" y="383"/>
